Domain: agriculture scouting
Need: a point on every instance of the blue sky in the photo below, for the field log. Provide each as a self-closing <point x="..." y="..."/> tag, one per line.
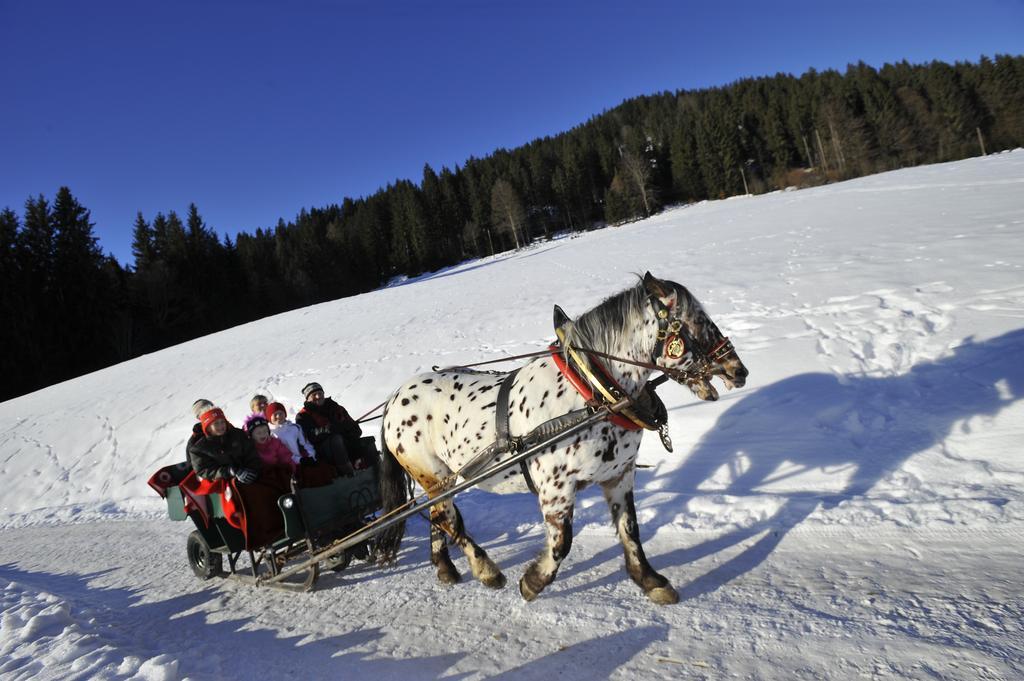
<point x="256" y="109"/>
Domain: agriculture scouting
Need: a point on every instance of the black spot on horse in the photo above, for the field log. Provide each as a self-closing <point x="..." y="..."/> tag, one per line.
<point x="405" y="401"/>
<point x="428" y="380"/>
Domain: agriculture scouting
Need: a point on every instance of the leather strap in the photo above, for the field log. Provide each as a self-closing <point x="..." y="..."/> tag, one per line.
<point x="503" y="441"/>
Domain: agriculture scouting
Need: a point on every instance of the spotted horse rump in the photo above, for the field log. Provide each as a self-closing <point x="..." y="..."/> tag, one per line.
<point x="439" y="425"/>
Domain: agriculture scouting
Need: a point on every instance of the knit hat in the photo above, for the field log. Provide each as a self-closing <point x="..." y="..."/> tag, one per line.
<point x="253" y="421"/>
<point x="311" y="387"/>
<point x="209" y="417"/>
<point x="273" y="408"/>
<point x="201" y="405"/>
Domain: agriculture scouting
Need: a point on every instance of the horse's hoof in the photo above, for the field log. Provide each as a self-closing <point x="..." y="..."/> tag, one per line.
<point x="496" y="581"/>
<point x="663" y="595"/>
<point x="527" y="593"/>
<point x="448" y="576"/>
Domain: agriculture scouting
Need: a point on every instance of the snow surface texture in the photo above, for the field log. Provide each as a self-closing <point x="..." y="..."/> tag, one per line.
<point x="854" y="512"/>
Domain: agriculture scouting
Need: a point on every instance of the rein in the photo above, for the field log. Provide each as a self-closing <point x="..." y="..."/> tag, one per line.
<point x="692" y="370"/>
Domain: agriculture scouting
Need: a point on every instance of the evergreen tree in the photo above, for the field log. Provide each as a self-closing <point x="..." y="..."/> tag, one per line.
<point x="956" y="116"/>
<point x="143" y="247"/>
<point x="507" y="211"/>
<point x="80" y="286"/>
<point x="16" y="334"/>
<point x="36" y="245"/>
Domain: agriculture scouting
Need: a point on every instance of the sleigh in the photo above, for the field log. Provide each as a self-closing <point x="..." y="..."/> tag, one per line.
<point x="310" y="516"/>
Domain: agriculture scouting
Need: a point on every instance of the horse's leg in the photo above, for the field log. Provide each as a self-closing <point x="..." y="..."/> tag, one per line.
<point x="446" y="570"/>
<point x="619" y="494"/>
<point x="558" y="523"/>
<point x="446" y="516"/>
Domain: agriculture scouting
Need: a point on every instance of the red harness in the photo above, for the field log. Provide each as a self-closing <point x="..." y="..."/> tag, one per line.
<point x="585" y="391"/>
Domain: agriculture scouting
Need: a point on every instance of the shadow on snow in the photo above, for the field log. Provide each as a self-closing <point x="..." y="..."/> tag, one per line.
<point x="181" y="628"/>
<point x="857" y="430"/>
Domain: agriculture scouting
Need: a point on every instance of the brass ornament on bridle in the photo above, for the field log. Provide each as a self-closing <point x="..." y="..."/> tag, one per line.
<point x="675" y="348"/>
<point x="671" y="345"/>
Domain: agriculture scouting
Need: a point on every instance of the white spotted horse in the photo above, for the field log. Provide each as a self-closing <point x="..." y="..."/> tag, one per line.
<point x="456" y="422"/>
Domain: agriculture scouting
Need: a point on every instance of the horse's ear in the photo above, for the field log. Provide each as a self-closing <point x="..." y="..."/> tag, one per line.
<point x="560" y="317"/>
<point x="655" y="286"/>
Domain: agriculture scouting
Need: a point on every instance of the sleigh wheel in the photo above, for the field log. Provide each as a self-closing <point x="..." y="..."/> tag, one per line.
<point x="205" y="563"/>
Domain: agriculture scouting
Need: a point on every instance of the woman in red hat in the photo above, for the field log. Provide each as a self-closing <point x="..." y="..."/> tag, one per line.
<point x="224" y="451"/>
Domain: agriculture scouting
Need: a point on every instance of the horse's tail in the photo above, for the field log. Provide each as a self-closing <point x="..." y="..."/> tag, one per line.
<point x="394" y="484"/>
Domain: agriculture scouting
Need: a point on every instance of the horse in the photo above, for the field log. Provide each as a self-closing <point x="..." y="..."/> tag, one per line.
<point x="440" y="424"/>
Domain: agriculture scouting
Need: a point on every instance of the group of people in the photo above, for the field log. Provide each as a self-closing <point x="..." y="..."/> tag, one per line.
<point x="323" y="436"/>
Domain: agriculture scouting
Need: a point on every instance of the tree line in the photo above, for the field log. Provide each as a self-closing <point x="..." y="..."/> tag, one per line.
<point x="68" y="309"/>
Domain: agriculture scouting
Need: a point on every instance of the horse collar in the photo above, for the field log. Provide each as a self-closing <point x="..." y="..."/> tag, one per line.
<point x="583" y="386"/>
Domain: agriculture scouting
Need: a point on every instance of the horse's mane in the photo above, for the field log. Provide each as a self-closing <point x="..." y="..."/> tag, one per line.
<point x="605" y="326"/>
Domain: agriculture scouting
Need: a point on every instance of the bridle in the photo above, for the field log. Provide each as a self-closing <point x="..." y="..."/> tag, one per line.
<point x="673" y="343"/>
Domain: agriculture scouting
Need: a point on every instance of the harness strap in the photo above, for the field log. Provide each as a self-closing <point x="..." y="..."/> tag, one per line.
<point x="503" y="441"/>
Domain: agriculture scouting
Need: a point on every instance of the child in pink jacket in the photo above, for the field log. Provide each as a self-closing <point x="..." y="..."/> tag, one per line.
<point x="271" y="450"/>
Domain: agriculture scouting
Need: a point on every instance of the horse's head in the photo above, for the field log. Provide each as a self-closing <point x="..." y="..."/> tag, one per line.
<point x="688" y="345"/>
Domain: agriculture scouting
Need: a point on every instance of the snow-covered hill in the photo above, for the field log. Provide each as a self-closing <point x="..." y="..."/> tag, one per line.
<point x="855" y="510"/>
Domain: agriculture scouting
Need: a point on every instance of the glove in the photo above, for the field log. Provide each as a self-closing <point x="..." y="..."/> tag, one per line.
<point x="307" y="461"/>
<point x="244" y="475"/>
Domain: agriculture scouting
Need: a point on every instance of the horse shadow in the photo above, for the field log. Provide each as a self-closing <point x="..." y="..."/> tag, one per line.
<point x="850" y="432"/>
<point x="580" y="660"/>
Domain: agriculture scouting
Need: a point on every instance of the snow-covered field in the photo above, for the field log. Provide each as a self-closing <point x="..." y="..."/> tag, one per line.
<point x="856" y="511"/>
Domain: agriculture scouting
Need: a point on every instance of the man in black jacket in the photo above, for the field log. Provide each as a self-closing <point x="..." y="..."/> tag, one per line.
<point x="328" y="426"/>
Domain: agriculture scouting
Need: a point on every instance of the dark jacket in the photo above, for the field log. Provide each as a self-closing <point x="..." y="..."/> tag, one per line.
<point x="196" y="436"/>
<point x="213" y="457"/>
<point x="319" y="423"/>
